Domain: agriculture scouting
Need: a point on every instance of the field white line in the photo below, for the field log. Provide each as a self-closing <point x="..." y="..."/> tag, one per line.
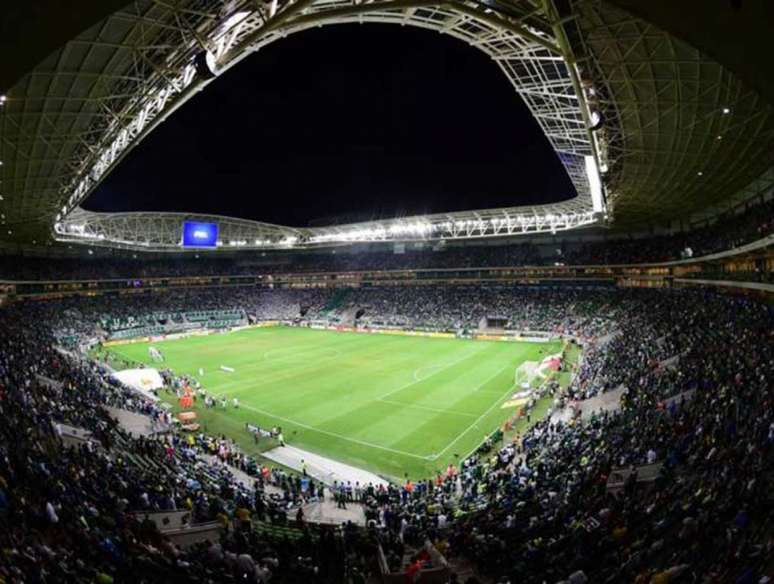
<point x="535" y="389"/>
<point x="440" y="411"/>
<point x="293" y="352"/>
<point x="481" y="417"/>
<point x="423" y="368"/>
<point x="443" y="368"/>
<point x="488" y="392"/>
<point x="334" y="434"/>
<point x="269" y="379"/>
<point x="283" y="373"/>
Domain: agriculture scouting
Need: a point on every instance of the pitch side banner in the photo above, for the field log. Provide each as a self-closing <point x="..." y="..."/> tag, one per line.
<point x="513" y="338"/>
<point x="402" y="333"/>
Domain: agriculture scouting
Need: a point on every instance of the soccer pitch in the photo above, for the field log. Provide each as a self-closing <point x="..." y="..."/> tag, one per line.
<point x="385" y="403"/>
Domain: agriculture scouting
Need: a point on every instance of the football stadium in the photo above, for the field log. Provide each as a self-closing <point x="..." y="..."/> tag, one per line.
<point x="474" y="291"/>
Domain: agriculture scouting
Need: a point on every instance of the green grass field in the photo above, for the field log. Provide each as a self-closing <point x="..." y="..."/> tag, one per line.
<point x="389" y="404"/>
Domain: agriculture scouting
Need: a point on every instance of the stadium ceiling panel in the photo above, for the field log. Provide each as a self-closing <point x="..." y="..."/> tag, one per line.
<point x="683" y="133"/>
<point x="612" y="93"/>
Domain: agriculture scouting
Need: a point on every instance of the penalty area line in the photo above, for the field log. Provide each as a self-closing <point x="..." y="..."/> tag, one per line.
<point x="444" y="367"/>
<point x="437" y="455"/>
<point x="515" y="386"/>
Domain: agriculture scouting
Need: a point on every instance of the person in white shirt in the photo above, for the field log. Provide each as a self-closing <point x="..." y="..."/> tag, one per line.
<point x="51" y="513"/>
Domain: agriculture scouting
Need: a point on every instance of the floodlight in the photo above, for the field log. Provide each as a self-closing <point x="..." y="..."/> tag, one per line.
<point x="597" y="120"/>
<point x="206" y="65"/>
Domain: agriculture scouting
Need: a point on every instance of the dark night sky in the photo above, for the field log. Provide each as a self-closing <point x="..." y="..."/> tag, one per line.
<point x="341" y="123"/>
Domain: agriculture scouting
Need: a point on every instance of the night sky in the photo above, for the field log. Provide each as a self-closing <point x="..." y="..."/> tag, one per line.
<point x="342" y="123"/>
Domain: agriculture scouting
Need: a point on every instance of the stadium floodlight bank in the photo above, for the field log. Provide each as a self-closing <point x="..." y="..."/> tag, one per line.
<point x="538" y="63"/>
<point x="160" y="232"/>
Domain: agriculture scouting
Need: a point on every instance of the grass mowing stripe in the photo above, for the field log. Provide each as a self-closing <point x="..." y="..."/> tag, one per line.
<point x="481" y="417"/>
<point x="329" y="402"/>
<point x="270" y="380"/>
<point x="340" y="436"/>
<point x="444" y="368"/>
<point x="440" y="411"/>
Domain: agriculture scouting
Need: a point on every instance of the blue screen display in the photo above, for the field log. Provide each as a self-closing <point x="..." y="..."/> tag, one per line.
<point x="197" y="234"/>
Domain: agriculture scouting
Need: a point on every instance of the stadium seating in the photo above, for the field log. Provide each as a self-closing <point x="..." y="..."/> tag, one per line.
<point x="70" y="512"/>
<point x="157" y="323"/>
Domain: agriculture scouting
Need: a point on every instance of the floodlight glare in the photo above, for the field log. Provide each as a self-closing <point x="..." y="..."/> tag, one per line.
<point x="595" y="184"/>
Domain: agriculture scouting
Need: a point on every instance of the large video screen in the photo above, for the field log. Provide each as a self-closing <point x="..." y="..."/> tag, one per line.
<point x="196" y="234"/>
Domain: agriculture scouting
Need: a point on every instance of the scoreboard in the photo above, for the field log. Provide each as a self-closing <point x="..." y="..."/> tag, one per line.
<point x="198" y="234"/>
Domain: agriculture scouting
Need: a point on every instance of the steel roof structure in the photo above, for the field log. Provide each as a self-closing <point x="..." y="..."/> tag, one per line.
<point x="670" y="130"/>
<point x="685" y="133"/>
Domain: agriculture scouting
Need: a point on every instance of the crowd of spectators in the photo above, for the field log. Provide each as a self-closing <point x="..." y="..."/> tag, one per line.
<point x="535" y="509"/>
<point x="466" y="307"/>
<point x="455" y="308"/>
<point x="75" y="514"/>
<point x="85" y="316"/>
<point x="727" y="232"/>
<point x="706" y="518"/>
<point x="560" y="310"/>
<point x="538" y="510"/>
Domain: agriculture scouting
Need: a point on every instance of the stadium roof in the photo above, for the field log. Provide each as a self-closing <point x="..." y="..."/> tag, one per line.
<point x="678" y="132"/>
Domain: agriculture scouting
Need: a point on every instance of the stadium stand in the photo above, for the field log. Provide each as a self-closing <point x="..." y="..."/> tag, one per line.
<point x="707" y="515"/>
<point x="654" y="462"/>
